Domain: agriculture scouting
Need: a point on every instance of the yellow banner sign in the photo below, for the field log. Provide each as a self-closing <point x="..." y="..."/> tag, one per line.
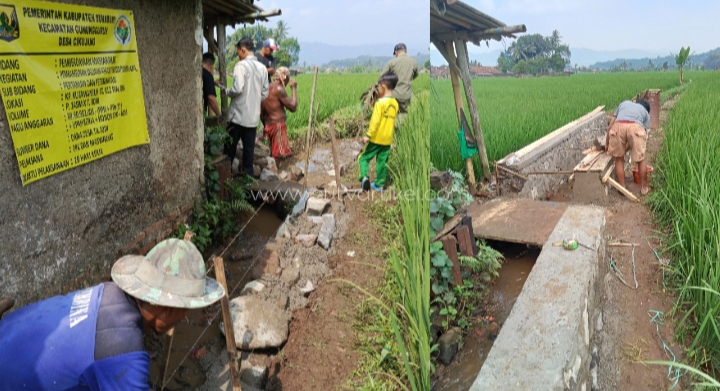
<point x="70" y="82"/>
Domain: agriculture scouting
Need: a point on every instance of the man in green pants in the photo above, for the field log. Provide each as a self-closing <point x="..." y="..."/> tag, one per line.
<point x="380" y="134"/>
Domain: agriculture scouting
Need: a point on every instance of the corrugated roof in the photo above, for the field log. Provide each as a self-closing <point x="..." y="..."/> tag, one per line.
<point x="448" y="18"/>
<point x="234" y="12"/>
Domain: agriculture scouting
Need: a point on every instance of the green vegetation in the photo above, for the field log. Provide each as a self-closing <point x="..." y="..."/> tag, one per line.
<point x="680" y="60"/>
<point x="533" y="54"/>
<point x="336" y="96"/>
<point x="517" y="111"/>
<point x="686" y="201"/>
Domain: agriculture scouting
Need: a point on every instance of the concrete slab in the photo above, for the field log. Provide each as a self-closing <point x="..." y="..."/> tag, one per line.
<point x="545" y="343"/>
<point x="517" y="220"/>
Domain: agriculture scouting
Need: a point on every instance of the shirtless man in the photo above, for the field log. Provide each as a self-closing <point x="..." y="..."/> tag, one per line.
<point x="273" y="112"/>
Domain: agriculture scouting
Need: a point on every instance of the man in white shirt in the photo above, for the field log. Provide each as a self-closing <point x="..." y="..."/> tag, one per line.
<point x="248" y="91"/>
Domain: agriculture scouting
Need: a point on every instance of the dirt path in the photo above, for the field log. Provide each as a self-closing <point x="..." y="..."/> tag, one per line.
<point x="627" y="333"/>
<point x="320" y="354"/>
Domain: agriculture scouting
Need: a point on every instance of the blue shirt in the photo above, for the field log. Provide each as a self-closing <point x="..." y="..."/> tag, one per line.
<point x="633" y="112"/>
<point x="73" y="343"/>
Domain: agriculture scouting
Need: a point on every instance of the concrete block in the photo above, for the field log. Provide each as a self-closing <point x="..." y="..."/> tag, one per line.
<point x="544" y="344"/>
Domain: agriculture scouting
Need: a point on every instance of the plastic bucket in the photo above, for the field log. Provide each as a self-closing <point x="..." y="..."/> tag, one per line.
<point x="636" y="175"/>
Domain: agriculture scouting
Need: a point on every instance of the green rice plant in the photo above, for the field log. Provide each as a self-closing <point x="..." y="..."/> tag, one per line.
<point x="517" y="111"/>
<point x="410" y="166"/>
<point x="686" y="201"/>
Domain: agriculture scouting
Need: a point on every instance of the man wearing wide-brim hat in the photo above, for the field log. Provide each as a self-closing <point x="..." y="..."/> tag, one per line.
<point x="92" y="339"/>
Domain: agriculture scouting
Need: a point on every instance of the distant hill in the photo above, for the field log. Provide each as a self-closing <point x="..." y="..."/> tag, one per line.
<point x="314" y="53"/>
<point x="696" y="59"/>
<point x="373" y="61"/>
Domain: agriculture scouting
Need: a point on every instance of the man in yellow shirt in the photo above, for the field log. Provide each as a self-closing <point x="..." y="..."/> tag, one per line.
<point x="380" y="134"/>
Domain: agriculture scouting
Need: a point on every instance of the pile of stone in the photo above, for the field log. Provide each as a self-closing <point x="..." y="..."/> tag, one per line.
<point x="288" y="270"/>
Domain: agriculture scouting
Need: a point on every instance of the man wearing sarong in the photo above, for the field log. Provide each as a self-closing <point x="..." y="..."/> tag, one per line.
<point x="273" y="112"/>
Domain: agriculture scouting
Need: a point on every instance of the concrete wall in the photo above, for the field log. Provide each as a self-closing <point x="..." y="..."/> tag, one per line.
<point x="64" y="232"/>
<point x="560" y="152"/>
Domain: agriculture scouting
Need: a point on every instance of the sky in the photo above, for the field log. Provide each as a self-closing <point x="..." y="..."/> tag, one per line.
<point x="354" y="22"/>
<point x="658" y="26"/>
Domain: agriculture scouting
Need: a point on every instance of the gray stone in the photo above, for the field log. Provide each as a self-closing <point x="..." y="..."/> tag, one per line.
<point x="268" y="176"/>
<point x="252" y="287"/>
<point x="258" y="324"/>
<point x="296" y="173"/>
<point x="271" y="165"/>
<point x="256" y="171"/>
<point x="260" y="151"/>
<point x="283" y="175"/>
<point x="316" y="206"/>
<point x="316" y="219"/>
<point x="300" y="206"/>
<point x="440" y="179"/>
<point x="290" y="275"/>
<point x="283" y="231"/>
<point x="260" y="162"/>
<point x="326" y="231"/>
<point x="254" y="370"/>
<point x="448" y="345"/>
<point x="565" y="285"/>
<point x="306" y="240"/>
<point x="309" y="287"/>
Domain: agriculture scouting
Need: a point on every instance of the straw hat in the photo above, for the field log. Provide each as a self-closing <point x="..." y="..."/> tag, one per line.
<point x="172" y="274"/>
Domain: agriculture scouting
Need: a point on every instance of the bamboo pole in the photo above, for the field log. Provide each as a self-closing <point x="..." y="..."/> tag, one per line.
<point x="307" y="145"/>
<point x="222" y="67"/>
<point x="170" y="334"/>
<point x="227" y="319"/>
<point x="623" y="190"/>
<point x="462" y="56"/>
<point x="622" y="244"/>
<point x="449" y="49"/>
<point x="338" y="184"/>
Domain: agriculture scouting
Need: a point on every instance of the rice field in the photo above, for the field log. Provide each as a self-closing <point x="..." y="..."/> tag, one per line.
<point x="687" y="202"/>
<point x="516" y="111"/>
<point x="336" y="94"/>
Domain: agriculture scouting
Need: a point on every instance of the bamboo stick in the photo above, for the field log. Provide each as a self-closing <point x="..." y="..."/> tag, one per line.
<point x="623" y="190"/>
<point x="550" y="173"/>
<point x="622" y="244"/>
<point x="227" y="319"/>
<point x="307" y="145"/>
<point x="608" y="173"/>
<point x="170" y="334"/>
<point x="338" y="184"/>
<point x="513" y="172"/>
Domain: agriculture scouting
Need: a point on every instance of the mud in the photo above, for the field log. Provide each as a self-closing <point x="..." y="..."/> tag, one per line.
<point x="497" y="303"/>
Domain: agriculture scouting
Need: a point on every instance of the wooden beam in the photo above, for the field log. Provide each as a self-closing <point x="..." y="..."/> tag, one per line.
<point x="608" y="172"/>
<point x="222" y="67"/>
<point x="450" y="247"/>
<point x="448" y="56"/>
<point x="229" y="330"/>
<point x="461" y="48"/>
<point x="212" y="44"/>
<point x="450" y="51"/>
<point x="623" y="190"/>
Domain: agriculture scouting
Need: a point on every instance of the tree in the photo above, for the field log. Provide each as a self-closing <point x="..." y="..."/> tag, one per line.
<point x="504" y="64"/>
<point x="681" y="59"/>
<point x="427" y="65"/>
<point x="280" y="32"/>
<point x="289" y="52"/>
<point x="665" y="66"/>
<point x="540" y="54"/>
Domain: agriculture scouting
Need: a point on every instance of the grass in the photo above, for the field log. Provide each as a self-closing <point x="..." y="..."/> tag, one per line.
<point x="337" y="95"/>
<point x="516" y="111"/>
<point x="686" y="202"/>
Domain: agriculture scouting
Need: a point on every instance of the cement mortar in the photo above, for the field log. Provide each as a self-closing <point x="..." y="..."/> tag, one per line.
<point x="562" y="153"/>
<point x="545" y="344"/>
<point x="64" y="232"/>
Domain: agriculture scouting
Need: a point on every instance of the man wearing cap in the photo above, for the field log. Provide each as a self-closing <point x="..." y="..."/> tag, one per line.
<point x="406" y="69"/>
<point x="92" y="339"/>
<point x="266" y="58"/>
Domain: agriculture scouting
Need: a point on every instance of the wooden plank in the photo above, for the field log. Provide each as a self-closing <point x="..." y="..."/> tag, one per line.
<point x="467" y="221"/>
<point x="538" y="143"/>
<point x="608" y="173"/>
<point x="623" y="190"/>
<point x="517" y="221"/>
<point x="227" y="319"/>
<point x="587" y="160"/>
<point x="601" y="163"/>
<point x="464" y="241"/>
<point x="450" y="247"/>
<point x="449" y="226"/>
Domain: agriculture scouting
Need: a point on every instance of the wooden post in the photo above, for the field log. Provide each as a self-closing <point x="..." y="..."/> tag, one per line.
<point x="338" y="184"/>
<point x="307" y="144"/>
<point x="462" y="56"/>
<point x="623" y="190"/>
<point x="227" y="319"/>
<point x="170" y="334"/>
<point x="472" y="185"/>
<point x="450" y="247"/>
<point x="222" y="68"/>
<point x="465" y="242"/>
